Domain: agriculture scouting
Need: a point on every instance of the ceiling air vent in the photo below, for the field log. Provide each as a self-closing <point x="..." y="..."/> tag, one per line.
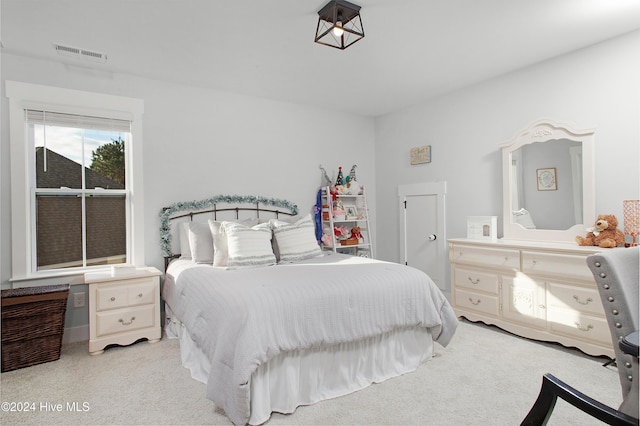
<point x="80" y="53"/>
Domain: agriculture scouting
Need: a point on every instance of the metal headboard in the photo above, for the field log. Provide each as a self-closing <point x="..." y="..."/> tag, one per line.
<point x="190" y="209"/>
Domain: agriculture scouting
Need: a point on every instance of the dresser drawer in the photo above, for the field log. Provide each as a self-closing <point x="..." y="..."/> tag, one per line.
<point x="577" y="298"/>
<point x="135" y="292"/>
<point x="476" y="280"/>
<point x="477" y="302"/>
<point x="486" y="257"/>
<point x="579" y="325"/>
<point x="556" y="265"/>
<point x="124" y="320"/>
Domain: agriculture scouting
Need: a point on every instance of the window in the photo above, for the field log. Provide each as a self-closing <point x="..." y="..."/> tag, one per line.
<point x="76" y="175"/>
<point x="80" y="209"/>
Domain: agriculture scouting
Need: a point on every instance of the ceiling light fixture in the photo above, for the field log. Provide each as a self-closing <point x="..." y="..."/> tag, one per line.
<point x="339" y="24"/>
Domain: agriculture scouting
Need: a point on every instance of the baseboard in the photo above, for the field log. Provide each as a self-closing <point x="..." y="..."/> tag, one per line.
<point x="75" y="334"/>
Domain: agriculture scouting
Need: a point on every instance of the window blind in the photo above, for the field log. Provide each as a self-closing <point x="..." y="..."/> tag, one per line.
<point x="77" y="121"/>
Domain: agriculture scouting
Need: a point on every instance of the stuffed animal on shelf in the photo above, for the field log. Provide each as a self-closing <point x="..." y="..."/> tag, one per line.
<point x="355" y="233"/>
<point x="341" y="232"/>
<point x="327" y="240"/>
<point x="605" y="233"/>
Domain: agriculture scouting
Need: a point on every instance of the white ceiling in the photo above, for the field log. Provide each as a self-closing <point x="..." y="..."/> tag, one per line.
<point x="412" y="50"/>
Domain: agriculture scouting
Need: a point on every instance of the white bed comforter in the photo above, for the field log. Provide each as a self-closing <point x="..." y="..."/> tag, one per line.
<point x="242" y="318"/>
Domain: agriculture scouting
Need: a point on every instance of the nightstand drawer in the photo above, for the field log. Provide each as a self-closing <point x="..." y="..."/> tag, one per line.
<point x="142" y="294"/>
<point x="476" y="280"/>
<point x="136" y="292"/>
<point x="124" y="320"/>
<point x="111" y="298"/>
<point x="477" y="302"/>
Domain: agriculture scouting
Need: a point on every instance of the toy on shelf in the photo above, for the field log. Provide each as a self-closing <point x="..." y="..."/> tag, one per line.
<point x="357" y="234"/>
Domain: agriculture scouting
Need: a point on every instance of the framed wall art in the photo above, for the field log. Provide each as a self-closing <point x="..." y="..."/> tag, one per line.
<point x="421" y="154"/>
<point x="546" y="179"/>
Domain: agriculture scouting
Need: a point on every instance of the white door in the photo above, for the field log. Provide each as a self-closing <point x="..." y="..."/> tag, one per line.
<point x="423" y="241"/>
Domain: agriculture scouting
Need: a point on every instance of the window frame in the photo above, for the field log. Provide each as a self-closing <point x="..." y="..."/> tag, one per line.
<point x="24" y="96"/>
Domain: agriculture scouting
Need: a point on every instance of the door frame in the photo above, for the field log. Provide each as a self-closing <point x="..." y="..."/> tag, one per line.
<point x="439" y="189"/>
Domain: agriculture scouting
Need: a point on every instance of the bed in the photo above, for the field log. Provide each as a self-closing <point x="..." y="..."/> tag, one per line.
<point x="288" y="325"/>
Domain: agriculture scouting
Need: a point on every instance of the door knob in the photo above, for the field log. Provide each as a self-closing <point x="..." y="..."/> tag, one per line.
<point x="432" y="237"/>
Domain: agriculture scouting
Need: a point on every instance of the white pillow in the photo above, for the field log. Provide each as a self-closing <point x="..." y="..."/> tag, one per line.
<point x="220" y="246"/>
<point x="248" y="246"/>
<point x="295" y="241"/>
<point x="183" y="234"/>
<point x="200" y="242"/>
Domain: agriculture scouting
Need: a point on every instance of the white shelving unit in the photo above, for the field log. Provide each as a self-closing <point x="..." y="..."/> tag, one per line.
<point x="356" y="215"/>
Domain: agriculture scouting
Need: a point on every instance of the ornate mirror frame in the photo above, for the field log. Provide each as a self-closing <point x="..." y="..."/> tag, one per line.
<point x="542" y="131"/>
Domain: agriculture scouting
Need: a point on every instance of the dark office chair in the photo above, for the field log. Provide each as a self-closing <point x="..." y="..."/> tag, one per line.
<point x="617" y="276"/>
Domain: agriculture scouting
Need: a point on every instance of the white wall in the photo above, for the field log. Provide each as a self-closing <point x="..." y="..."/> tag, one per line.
<point x="199" y="143"/>
<point x="597" y="87"/>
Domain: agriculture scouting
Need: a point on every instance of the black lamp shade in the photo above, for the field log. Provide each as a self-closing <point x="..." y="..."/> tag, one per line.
<point x="339" y="15"/>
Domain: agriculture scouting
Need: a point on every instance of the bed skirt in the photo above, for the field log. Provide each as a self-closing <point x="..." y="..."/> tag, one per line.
<point x="304" y="377"/>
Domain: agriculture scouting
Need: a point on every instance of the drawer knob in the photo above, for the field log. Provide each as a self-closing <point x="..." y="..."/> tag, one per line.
<point x="472" y="281"/>
<point x="113" y="299"/>
<point x="126" y="323"/>
<point x="139" y="294"/>
<point x="586" y="302"/>
<point x="477" y="302"/>
<point x="587" y="328"/>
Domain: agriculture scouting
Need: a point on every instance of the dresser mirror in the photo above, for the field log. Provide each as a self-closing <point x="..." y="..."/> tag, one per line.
<point x="548" y="183"/>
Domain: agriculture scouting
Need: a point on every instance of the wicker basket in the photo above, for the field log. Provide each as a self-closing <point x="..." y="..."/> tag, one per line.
<point x="32" y="325"/>
<point x="349" y="242"/>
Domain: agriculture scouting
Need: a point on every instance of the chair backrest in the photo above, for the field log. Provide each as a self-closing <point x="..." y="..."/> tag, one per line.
<point x="617" y="276"/>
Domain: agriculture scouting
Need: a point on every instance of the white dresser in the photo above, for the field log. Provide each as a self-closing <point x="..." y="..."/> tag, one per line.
<point x="123" y="309"/>
<point x="538" y="290"/>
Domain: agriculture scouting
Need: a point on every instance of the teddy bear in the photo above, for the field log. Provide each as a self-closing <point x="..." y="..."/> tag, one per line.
<point x="604" y="233"/>
<point x="356" y="233"/>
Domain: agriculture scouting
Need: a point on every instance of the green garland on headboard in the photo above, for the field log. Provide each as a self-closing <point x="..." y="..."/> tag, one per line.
<point x="165" y="213"/>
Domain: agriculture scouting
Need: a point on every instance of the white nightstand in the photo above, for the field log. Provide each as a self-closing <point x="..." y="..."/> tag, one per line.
<point x="123" y="308"/>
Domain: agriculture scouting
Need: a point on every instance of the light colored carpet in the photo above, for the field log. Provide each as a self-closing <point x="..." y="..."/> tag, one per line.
<point x="484" y="377"/>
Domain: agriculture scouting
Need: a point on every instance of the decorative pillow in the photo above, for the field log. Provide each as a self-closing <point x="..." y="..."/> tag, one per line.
<point x="183" y="234"/>
<point x="274" y="244"/>
<point x="220" y="246"/>
<point x="248" y="246"/>
<point x="200" y="242"/>
<point x="295" y="241"/>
